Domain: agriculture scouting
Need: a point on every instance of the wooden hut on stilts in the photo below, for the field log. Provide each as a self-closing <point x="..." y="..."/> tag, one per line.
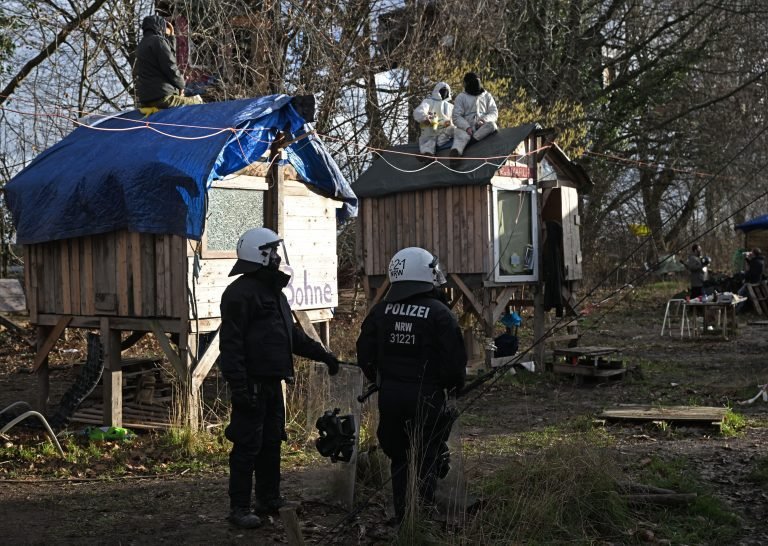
<point x="504" y="223"/>
<point x="130" y="226"/>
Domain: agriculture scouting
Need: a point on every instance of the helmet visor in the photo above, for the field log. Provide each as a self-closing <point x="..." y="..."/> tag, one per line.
<point x="438" y="274"/>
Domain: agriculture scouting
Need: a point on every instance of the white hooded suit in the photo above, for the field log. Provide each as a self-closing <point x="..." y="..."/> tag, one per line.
<point x="434" y="116"/>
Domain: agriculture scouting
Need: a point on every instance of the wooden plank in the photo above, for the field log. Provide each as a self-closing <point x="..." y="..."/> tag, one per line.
<point x="28" y="285"/>
<point x="147" y="250"/>
<point x="160" y="271"/>
<point x="435" y="248"/>
<point x="179" y="276"/>
<point x="306" y="325"/>
<point x="464" y="232"/>
<point x="476" y="227"/>
<point x="121" y="275"/>
<point x="50" y="340"/>
<point x="704" y="414"/>
<point x="66" y="282"/>
<point x="87" y="293"/>
<point x="43" y="371"/>
<point x="170" y="353"/>
<point x="113" y="375"/>
<point x="168" y="275"/>
<point x="468" y="294"/>
<point x="428" y="213"/>
<point x="76" y="280"/>
<point x="105" y="273"/>
<point x="206" y="362"/>
<point x="388" y="233"/>
<point x="134" y="241"/>
<point x="399" y="210"/>
<point x="365" y="234"/>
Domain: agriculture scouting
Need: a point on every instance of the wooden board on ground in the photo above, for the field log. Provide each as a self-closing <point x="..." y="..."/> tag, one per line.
<point x="758" y="323"/>
<point x="588" y="371"/>
<point x="688" y="414"/>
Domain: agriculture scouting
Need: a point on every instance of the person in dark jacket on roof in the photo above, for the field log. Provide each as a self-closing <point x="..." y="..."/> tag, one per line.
<point x="257" y="340"/>
<point x="159" y="82"/>
<point x="412" y="346"/>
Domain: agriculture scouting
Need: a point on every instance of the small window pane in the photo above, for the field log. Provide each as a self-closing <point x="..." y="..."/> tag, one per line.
<point x="230" y="213"/>
<point x="516" y="253"/>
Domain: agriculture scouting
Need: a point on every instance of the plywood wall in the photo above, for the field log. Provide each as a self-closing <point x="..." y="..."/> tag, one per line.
<point x="450" y="222"/>
<point x="309" y="226"/>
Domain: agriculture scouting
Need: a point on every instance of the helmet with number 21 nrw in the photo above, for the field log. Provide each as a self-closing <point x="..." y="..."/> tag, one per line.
<point x="413" y="270"/>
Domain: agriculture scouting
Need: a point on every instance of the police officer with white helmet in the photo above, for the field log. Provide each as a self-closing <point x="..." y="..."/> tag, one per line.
<point x="411" y="344"/>
<point x="258" y="338"/>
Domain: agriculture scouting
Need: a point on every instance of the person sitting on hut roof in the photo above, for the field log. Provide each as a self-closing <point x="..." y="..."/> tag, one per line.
<point x="474" y="115"/>
<point x="434" y="117"/>
<point x="159" y="83"/>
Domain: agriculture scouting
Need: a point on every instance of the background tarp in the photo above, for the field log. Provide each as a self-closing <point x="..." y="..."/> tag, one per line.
<point x="399" y="169"/>
<point x="761" y="222"/>
<point x="151" y="174"/>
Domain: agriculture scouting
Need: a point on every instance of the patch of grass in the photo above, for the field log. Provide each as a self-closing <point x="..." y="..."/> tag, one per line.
<point x="732" y="424"/>
<point x="704" y="521"/>
<point x="511" y="444"/>
<point x="564" y="493"/>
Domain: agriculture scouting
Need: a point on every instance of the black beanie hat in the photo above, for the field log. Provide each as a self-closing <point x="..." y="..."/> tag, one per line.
<point x="472" y="84"/>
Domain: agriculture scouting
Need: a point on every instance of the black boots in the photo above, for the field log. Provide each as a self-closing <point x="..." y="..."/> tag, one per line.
<point x="244" y="518"/>
<point x="273" y="506"/>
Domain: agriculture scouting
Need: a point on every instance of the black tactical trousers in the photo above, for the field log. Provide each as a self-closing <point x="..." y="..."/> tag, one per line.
<point x="409" y="422"/>
<point x="256" y="435"/>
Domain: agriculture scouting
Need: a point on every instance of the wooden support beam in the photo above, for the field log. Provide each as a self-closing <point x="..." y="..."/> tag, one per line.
<point x="206" y="362"/>
<point x="379" y="294"/>
<point x="303" y="319"/>
<point x="292" y="527"/>
<point x="50" y="341"/>
<point x="131" y="340"/>
<point x="43" y="380"/>
<point x="477" y="308"/>
<point x="112" y="377"/>
<point x="172" y="355"/>
<point x="502" y="300"/>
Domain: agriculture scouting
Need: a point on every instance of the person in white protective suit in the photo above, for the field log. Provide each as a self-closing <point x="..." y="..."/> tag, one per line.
<point x="474" y="115"/>
<point x="434" y="117"/>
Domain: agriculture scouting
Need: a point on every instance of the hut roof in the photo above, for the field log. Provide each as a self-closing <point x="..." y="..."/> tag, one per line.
<point x="399" y="169"/>
<point x="151" y="174"/>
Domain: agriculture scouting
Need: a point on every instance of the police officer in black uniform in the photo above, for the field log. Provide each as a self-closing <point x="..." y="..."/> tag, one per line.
<point x="411" y="344"/>
<point x="257" y="340"/>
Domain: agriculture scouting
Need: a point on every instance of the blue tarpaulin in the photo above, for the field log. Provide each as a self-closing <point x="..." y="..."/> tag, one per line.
<point x="761" y="222"/>
<point x="151" y="174"/>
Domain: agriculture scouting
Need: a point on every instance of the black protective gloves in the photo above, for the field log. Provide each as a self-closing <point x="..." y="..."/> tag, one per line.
<point x="332" y="362"/>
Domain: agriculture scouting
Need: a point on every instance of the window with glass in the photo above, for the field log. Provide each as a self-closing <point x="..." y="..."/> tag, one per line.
<point x="230" y="213"/>
<point x="515" y="234"/>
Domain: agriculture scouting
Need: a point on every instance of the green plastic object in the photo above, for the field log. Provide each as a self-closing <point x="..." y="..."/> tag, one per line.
<point x="109" y="433"/>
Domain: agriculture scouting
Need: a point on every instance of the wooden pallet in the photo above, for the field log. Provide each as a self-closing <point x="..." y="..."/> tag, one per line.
<point x="758" y="297"/>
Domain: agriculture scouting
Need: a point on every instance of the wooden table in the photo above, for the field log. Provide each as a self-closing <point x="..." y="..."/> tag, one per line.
<point x="586" y="361"/>
<point x="718" y="309"/>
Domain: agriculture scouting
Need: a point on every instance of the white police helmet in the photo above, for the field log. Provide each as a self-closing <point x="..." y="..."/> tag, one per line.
<point x="256" y="248"/>
<point x="413" y="270"/>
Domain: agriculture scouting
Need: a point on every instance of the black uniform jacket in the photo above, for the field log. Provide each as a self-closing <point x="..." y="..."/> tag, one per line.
<point x="416" y="340"/>
<point x="157" y="74"/>
<point x="258" y="335"/>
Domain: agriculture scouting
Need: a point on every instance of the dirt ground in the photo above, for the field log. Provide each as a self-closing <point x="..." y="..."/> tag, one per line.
<point x="191" y="508"/>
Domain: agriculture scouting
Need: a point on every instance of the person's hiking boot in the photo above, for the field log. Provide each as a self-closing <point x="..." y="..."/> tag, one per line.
<point x="272" y="506"/>
<point x="427" y="157"/>
<point x="244" y="518"/>
<point x="453" y="155"/>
